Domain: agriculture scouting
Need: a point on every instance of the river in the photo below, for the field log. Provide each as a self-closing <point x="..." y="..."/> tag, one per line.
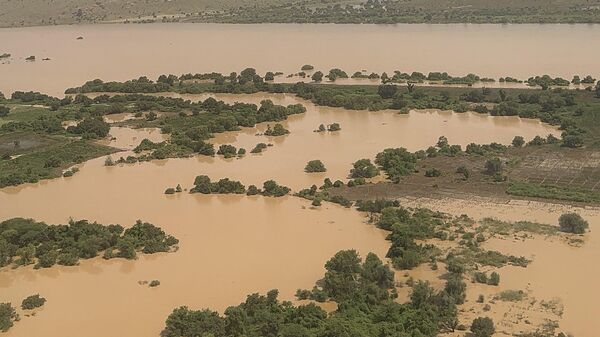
<point x="121" y="52"/>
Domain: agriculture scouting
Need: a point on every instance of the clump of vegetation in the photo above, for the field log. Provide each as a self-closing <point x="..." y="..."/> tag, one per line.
<point x="315" y="166"/>
<point x="433" y="172"/>
<point x="154" y="283"/>
<point x="260" y="147"/>
<point x="32" y="302"/>
<point x="8" y="315"/>
<point x="482" y="277"/>
<point x="272" y="189"/>
<point x="376" y="206"/>
<point x="359" y="287"/>
<point x="396" y="163"/>
<point x="518" y="141"/>
<point x="550" y="191"/>
<point x="24" y="242"/>
<point x="277" y="130"/>
<point x="483" y="327"/>
<point x="172" y="190"/>
<point x="572" y="223"/>
<point x="334" y="127"/>
<point x="307" y="67"/>
<point x="227" y="151"/>
<point x="363" y="168"/>
<point x="203" y="184"/>
<point x="511" y="295"/>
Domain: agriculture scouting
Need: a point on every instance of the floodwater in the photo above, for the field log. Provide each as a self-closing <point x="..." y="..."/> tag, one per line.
<point x="558" y="270"/>
<point x="230" y="246"/>
<point x="122" y="52"/>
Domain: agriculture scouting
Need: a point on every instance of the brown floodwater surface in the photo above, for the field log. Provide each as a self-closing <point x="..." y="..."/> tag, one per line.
<point x="230" y="246"/>
<point x="121" y="52"/>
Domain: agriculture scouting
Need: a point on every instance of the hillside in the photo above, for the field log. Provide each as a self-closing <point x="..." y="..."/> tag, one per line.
<point x="16" y="13"/>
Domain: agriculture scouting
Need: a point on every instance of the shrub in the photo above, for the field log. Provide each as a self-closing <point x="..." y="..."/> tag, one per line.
<point x="277" y="130"/>
<point x="154" y="283"/>
<point x="493" y="166"/>
<point x="333" y="127"/>
<point x="315" y="166"/>
<point x="32" y="302"/>
<point x="518" y="141"/>
<point x="572" y="223"/>
<point x="482" y="327"/>
<point x="433" y="172"/>
<point x="7" y="315"/>
<point x="494" y="279"/>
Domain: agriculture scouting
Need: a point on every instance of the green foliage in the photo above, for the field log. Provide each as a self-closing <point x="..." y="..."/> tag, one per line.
<point x="493" y="166"/>
<point x="24" y="241"/>
<point x="154" y="283"/>
<point x="396" y="163"/>
<point x="482" y="327"/>
<point x="333" y="127"/>
<point x="363" y="168"/>
<point x="272" y="189"/>
<point x="260" y="147"/>
<point x="511" y="295"/>
<point x="91" y="128"/>
<point x="315" y="166"/>
<point x="518" y="141"/>
<point x="203" y="184"/>
<point x="227" y="150"/>
<point x="48" y="162"/>
<point x="32" y="302"/>
<point x="8" y="314"/>
<point x="376" y="206"/>
<point x="572" y="223"/>
<point x="433" y="172"/>
<point x="549" y="191"/>
<point x="277" y="130"/>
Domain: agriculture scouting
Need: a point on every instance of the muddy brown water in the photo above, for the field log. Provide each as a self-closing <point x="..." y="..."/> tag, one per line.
<point x="122" y="52"/>
<point x="230" y="245"/>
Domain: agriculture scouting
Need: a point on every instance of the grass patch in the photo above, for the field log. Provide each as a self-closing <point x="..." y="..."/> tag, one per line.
<point x="552" y="192"/>
<point x="511" y="296"/>
<point x="496" y="226"/>
<point x="49" y="162"/>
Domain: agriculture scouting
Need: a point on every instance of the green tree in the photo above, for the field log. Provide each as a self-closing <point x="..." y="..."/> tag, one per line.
<point x="315" y="166"/>
<point x="317" y="76"/>
<point x="518" y="141"/>
<point x="363" y="168"/>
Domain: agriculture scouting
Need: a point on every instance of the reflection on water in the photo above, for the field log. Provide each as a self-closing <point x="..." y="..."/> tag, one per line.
<point x="230" y="245"/>
<point x="122" y="52"/>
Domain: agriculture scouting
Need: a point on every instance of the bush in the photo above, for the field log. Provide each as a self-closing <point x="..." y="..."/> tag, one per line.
<point x="482" y="327"/>
<point x="493" y="166"/>
<point x="259" y="148"/>
<point x="518" y="141"/>
<point x="7" y="315"/>
<point x="572" y="223"/>
<point x="333" y="127"/>
<point x="32" y="302"/>
<point x="277" y="130"/>
<point x="154" y="283"/>
<point x="433" y="172"/>
<point x="494" y="279"/>
<point x="363" y="168"/>
<point x="315" y="166"/>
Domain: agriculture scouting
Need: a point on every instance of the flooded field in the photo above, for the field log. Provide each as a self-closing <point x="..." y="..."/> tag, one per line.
<point x="229" y="245"/>
<point x="122" y="52"/>
<point x="558" y="271"/>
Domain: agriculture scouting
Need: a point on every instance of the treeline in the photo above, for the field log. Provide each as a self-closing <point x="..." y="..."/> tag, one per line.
<point x="25" y="241"/>
<point x="204" y="185"/>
